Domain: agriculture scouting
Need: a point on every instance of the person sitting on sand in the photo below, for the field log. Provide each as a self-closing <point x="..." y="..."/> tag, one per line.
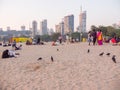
<point x="55" y="43"/>
<point x="9" y="53"/>
<point x="28" y="42"/>
<point x="113" y="41"/>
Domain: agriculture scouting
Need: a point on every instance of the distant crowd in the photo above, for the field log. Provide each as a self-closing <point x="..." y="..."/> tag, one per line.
<point x="96" y="38"/>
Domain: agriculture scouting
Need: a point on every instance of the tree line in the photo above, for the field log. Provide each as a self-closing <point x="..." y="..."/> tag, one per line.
<point x="108" y="31"/>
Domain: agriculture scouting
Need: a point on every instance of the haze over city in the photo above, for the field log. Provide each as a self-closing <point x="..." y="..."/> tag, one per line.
<point x="14" y="13"/>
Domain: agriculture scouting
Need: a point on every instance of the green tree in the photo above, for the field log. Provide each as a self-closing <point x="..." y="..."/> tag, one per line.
<point x="75" y="35"/>
<point x="111" y="31"/>
<point x="93" y="27"/>
<point x="46" y="38"/>
<point x="104" y="30"/>
<point x="117" y="31"/>
<point x="107" y="30"/>
<point x="55" y="36"/>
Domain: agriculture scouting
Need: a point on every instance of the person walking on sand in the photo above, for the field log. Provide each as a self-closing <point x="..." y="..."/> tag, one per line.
<point x="60" y="39"/>
<point x="94" y="35"/>
<point x="38" y="40"/>
<point x="14" y="44"/>
<point x="89" y="37"/>
<point x="67" y="39"/>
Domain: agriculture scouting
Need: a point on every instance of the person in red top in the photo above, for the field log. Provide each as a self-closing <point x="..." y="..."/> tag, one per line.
<point x="113" y="41"/>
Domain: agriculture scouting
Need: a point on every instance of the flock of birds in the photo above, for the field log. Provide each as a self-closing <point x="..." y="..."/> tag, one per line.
<point x="40" y="58"/>
<point x="108" y="54"/>
<point x="51" y="58"/>
<point x="101" y="54"/>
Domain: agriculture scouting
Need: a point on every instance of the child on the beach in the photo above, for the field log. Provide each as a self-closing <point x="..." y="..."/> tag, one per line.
<point x="89" y="37"/>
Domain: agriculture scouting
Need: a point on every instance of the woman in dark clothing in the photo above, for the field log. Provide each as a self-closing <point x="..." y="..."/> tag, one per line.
<point x="94" y="35"/>
<point x="38" y="41"/>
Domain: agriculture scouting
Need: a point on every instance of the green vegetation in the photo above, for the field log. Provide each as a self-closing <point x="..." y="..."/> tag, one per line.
<point x="107" y="30"/>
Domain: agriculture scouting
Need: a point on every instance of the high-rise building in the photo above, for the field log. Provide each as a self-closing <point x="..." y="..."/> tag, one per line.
<point x="69" y="24"/>
<point x="82" y="21"/>
<point x="57" y="28"/>
<point x="51" y="31"/>
<point x="34" y="28"/>
<point x="43" y="27"/>
<point x="1" y="29"/>
<point x="8" y="28"/>
<point x="60" y="28"/>
<point x="23" y="28"/>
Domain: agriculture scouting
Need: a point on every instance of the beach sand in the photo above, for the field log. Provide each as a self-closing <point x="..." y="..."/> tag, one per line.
<point x="73" y="68"/>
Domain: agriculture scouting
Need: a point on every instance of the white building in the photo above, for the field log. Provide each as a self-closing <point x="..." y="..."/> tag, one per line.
<point x="82" y="21"/>
<point x="60" y="28"/>
<point x="34" y="28"/>
<point x="43" y="27"/>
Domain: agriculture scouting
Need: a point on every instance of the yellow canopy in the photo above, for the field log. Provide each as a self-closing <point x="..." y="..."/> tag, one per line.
<point x="20" y="39"/>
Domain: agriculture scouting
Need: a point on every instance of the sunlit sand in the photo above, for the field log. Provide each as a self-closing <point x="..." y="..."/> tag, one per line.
<point x="73" y="68"/>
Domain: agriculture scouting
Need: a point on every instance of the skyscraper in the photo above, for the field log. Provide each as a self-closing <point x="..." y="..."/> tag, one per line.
<point x="34" y="28"/>
<point x="51" y="31"/>
<point x="43" y="27"/>
<point x="23" y="28"/>
<point x="69" y="24"/>
<point x="57" y="28"/>
<point x="8" y="28"/>
<point x="60" y="28"/>
<point x="82" y="21"/>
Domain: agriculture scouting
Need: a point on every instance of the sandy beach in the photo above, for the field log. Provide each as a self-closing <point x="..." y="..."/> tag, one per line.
<point x="73" y="68"/>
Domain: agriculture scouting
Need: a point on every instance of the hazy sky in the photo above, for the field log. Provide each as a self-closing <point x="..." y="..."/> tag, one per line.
<point x="15" y="13"/>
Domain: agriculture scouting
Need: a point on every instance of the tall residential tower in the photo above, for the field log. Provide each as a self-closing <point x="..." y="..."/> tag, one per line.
<point x="43" y="27"/>
<point x="34" y="28"/>
<point x="69" y="24"/>
<point x="82" y="21"/>
<point x="60" y="28"/>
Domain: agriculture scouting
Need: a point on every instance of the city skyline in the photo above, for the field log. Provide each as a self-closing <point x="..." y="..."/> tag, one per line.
<point x="15" y="14"/>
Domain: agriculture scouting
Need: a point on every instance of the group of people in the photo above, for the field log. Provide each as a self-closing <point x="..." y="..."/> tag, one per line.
<point x="115" y="40"/>
<point x="35" y="42"/>
<point x="11" y="53"/>
<point x="95" y="37"/>
<point x="57" y="42"/>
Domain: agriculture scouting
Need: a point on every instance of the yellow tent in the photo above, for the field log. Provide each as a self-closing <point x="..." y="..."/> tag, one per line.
<point x="20" y="39"/>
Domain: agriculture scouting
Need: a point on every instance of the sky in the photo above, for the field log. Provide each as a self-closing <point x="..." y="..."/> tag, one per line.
<point x="15" y="13"/>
